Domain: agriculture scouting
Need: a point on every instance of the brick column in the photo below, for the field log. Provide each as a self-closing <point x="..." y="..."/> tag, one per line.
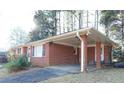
<point x="98" y="55"/>
<point x="24" y="50"/>
<point x="31" y="51"/>
<point x="48" y="54"/>
<point x="30" y="54"/>
<point x="84" y="53"/>
<point x="110" y="54"/>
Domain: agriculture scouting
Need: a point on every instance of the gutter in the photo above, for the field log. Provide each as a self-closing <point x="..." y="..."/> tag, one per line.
<point x="78" y="35"/>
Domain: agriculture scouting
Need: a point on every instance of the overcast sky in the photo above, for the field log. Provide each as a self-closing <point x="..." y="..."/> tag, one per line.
<point x="12" y="19"/>
<point x="14" y="14"/>
<point x="19" y="13"/>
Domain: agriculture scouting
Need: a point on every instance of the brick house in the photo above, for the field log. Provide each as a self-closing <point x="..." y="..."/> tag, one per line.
<point x="84" y="47"/>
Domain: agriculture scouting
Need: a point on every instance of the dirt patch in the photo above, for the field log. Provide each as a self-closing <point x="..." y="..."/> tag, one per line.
<point x="107" y="75"/>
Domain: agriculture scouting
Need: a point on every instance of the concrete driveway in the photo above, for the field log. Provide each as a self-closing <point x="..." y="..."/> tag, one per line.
<point x="40" y="74"/>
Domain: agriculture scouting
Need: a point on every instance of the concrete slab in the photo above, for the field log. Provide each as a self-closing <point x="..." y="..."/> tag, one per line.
<point x="70" y="68"/>
<point x="40" y="74"/>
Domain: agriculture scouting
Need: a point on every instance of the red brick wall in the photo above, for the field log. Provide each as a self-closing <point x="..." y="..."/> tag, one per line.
<point x="56" y="54"/>
<point x="61" y="54"/>
<point x="79" y="55"/>
<point x="91" y="55"/>
<point x="40" y="61"/>
<point x="47" y="53"/>
<point x="24" y="50"/>
<point x="98" y="55"/>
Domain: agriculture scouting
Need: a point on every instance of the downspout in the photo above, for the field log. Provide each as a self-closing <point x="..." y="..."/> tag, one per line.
<point x="77" y="34"/>
<point x="82" y="63"/>
<point x="82" y="50"/>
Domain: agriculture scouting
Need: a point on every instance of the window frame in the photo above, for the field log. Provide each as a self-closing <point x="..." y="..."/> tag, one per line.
<point x="35" y="51"/>
<point x="19" y="51"/>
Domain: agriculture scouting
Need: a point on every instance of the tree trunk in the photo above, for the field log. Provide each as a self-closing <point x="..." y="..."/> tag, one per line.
<point x="96" y="23"/>
<point x="71" y="22"/>
<point x="106" y="31"/>
<point x="81" y="19"/>
<point x="55" y="23"/>
<point x="58" y="22"/>
<point x="87" y="18"/>
<point x="122" y="26"/>
<point x="97" y="19"/>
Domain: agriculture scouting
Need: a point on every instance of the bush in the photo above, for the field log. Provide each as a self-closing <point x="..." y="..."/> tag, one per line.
<point x="118" y="54"/>
<point x="18" y="64"/>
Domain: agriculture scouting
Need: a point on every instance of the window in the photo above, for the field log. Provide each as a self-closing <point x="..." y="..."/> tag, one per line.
<point x="28" y="52"/>
<point x="33" y="51"/>
<point x="19" y="50"/>
<point x="43" y="52"/>
<point x="38" y="51"/>
<point x="75" y="50"/>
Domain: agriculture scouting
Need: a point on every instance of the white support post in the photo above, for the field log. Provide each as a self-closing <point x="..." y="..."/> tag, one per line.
<point x="21" y="50"/>
<point x="29" y="53"/>
<point x="102" y="54"/>
<point x="95" y="53"/>
<point x="82" y="56"/>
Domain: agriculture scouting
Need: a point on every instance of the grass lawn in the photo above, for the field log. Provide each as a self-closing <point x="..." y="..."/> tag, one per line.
<point x="4" y="72"/>
<point x="110" y="75"/>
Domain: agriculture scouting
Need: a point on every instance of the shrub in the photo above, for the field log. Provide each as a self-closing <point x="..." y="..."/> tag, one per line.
<point x="22" y="61"/>
<point x="118" y="54"/>
<point x="18" y="64"/>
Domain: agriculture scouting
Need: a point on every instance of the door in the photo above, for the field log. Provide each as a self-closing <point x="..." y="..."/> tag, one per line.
<point x="91" y="55"/>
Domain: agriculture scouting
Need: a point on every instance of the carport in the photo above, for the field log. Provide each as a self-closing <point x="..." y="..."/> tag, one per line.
<point x="85" y="47"/>
<point x="91" y="46"/>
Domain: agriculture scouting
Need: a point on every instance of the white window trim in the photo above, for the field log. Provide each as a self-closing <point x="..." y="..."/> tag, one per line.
<point x="21" y="50"/>
<point x="102" y="53"/>
<point x="95" y="53"/>
<point x="38" y="48"/>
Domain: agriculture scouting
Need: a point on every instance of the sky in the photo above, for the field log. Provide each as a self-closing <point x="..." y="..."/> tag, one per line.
<point x="12" y="17"/>
<point x="17" y="13"/>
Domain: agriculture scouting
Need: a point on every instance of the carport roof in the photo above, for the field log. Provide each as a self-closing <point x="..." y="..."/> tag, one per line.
<point x="93" y="35"/>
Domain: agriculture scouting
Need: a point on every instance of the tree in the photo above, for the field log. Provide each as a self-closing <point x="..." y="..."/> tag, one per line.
<point x="113" y="20"/>
<point x="77" y="18"/>
<point x="118" y="28"/>
<point x="37" y="34"/>
<point x="122" y="25"/>
<point x="18" y="36"/>
<point x="107" y="18"/>
<point x="96" y="21"/>
<point x="80" y="14"/>
<point x="46" y="24"/>
<point x="52" y="22"/>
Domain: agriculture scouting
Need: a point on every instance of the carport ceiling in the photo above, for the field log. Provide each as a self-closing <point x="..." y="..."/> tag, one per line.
<point x="73" y="41"/>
